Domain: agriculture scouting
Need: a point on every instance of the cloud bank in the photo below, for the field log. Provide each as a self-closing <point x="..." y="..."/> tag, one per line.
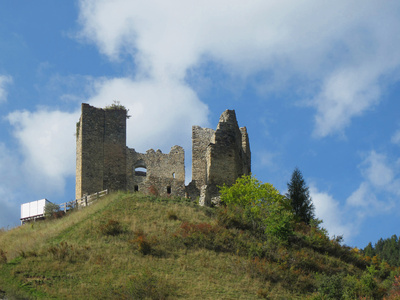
<point x="347" y="50"/>
<point x="377" y="194"/>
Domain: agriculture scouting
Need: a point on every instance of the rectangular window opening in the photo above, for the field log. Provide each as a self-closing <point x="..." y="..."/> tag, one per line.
<point x="168" y="190"/>
<point x="136" y="188"/>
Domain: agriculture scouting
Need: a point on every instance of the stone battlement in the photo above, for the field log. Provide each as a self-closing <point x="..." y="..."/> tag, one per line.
<point x="103" y="161"/>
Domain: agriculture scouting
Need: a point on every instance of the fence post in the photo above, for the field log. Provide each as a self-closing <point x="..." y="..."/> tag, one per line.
<point x="86" y="200"/>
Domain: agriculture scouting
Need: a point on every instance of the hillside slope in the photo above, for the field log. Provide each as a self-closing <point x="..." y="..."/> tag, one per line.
<point x="132" y="246"/>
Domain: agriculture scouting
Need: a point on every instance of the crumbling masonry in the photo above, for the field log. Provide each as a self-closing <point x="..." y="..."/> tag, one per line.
<point x="103" y="161"/>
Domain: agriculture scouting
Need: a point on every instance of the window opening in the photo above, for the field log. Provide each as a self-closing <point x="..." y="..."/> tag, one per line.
<point x="168" y="190"/>
<point x="173" y="175"/>
<point x="136" y="188"/>
<point x="140" y="171"/>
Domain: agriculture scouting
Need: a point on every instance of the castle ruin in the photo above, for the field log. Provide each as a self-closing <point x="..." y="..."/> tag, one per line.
<point x="103" y="161"/>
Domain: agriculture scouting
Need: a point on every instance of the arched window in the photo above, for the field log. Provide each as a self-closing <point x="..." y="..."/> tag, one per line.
<point x="139" y="168"/>
<point x="173" y="175"/>
<point x="140" y="171"/>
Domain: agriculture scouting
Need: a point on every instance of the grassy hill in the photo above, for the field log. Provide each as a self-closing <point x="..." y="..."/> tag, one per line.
<point x="133" y="246"/>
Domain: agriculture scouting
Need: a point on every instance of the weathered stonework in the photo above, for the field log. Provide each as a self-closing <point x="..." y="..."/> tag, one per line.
<point x="104" y="162"/>
<point x="164" y="175"/>
<point x="100" y="150"/>
<point x="219" y="157"/>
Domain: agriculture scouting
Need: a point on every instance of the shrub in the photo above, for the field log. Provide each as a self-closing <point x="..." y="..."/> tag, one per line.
<point x="112" y="227"/>
<point x="331" y="286"/>
<point x="3" y="257"/>
<point x="172" y="215"/>
<point x="148" y="286"/>
<point x="66" y="252"/>
<point x="141" y="242"/>
<point x="394" y="292"/>
<point x="261" y="201"/>
<point x="52" y="211"/>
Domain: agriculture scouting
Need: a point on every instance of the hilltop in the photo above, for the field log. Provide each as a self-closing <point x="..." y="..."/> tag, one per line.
<point x="136" y="246"/>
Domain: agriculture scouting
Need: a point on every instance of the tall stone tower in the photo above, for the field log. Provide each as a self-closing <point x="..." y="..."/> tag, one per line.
<point x="100" y="150"/>
<point x="218" y="157"/>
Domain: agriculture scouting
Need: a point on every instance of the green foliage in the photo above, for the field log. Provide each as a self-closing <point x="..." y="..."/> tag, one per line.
<point x="112" y="227"/>
<point x="262" y="202"/>
<point x="172" y="215"/>
<point x="66" y="252"/>
<point x="117" y="105"/>
<point x="248" y="191"/>
<point x="142" y="243"/>
<point x="52" y="211"/>
<point x="299" y="196"/>
<point x="3" y="257"/>
<point x="218" y="253"/>
<point x="149" y="286"/>
<point x="388" y="249"/>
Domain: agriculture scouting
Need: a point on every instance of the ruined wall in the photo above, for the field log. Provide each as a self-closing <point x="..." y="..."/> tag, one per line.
<point x="225" y="154"/>
<point x="201" y="138"/>
<point x="104" y="162"/>
<point x="100" y="150"/>
<point x="164" y="174"/>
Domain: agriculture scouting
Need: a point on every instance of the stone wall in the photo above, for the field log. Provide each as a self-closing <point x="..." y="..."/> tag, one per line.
<point x="104" y="162"/>
<point x="100" y="150"/>
<point x="164" y="174"/>
<point x="201" y="138"/>
<point x="225" y="154"/>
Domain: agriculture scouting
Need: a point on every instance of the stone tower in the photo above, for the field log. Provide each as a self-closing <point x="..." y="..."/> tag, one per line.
<point x="218" y="157"/>
<point x="100" y="150"/>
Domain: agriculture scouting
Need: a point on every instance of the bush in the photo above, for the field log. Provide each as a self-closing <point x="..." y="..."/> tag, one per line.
<point x="172" y="215"/>
<point x="149" y="286"/>
<point x="141" y="242"/>
<point x="261" y="202"/>
<point x="3" y="257"/>
<point x="112" y="227"/>
<point x="52" y="211"/>
<point x="66" y="252"/>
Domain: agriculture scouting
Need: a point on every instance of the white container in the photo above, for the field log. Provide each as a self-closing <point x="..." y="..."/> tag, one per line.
<point x="33" y="209"/>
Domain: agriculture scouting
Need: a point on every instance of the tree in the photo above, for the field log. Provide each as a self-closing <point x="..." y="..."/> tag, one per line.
<point x="262" y="202"/>
<point x="52" y="211"/>
<point x="299" y="196"/>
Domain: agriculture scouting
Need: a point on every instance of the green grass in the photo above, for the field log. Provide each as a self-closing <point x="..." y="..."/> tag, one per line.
<point x="133" y="246"/>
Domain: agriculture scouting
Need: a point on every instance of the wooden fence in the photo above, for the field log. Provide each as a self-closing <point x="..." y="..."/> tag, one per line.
<point x="82" y="202"/>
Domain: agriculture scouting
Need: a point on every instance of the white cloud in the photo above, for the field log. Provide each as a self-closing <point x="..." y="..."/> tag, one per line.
<point x="345" y="47"/>
<point x="396" y="138"/>
<point x="333" y="215"/>
<point x="162" y="113"/>
<point x="380" y="186"/>
<point x="4" y="81"/>
<point x="48" y="146"/>
<point x="161" y="116"/>
<point x="377" y="171"/>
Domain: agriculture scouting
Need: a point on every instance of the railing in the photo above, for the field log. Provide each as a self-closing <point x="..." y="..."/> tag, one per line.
<point x="77" y="203"/>
<point x="82" y="202"/>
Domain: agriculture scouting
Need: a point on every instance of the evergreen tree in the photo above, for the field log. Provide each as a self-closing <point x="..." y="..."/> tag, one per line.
<point x="300" y="198"/>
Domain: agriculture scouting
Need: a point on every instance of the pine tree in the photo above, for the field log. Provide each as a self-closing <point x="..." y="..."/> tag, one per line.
<point x="299" y="196"/>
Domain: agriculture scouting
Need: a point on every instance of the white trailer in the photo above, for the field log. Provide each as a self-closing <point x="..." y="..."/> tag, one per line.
<point x="33" y="210"/>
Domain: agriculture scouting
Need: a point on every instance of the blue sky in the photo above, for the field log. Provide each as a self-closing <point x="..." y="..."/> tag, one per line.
<point x="316" y="85"/>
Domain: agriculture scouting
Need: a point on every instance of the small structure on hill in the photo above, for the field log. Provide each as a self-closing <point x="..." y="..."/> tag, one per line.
<point x="34" y="210"/>
<point x="103" y="161"/>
